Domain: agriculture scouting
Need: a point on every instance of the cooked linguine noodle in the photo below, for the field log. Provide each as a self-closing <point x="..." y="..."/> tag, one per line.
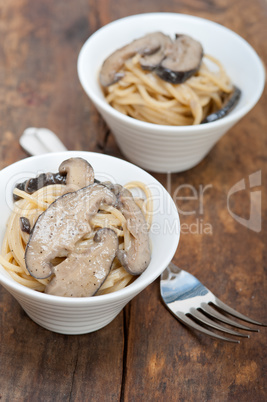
<point x="30" y="206"/>
<point x="143" y="95"/>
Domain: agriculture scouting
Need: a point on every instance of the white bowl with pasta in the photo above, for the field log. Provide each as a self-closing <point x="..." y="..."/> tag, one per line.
<point x="78" y="315"/>
<point x="163" y="147"/>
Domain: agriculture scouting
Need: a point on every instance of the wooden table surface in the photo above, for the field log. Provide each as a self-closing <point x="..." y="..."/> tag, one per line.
<point x="144" y="354"/>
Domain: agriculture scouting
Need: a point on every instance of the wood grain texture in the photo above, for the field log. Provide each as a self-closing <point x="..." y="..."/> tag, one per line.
<point x="144" y="354"/>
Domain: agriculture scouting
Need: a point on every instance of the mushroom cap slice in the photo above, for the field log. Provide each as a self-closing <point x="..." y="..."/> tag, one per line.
<point x="82" y="274"/>
<point x="25" y="225"/>
<point x="182" y="59"/>
<point x="151" y="60"/>
<point x="79" y="173"/>
<point x="229" y="104"/>
<point x="35" y="183"/>
<point x="147" y="45"/>
<point x="58" y="229"/>
<point x="75" y="173"/>
<point x="137" y="257"/>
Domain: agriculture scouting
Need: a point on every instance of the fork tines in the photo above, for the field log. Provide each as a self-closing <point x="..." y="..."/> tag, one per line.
<point x="198" y="308"/>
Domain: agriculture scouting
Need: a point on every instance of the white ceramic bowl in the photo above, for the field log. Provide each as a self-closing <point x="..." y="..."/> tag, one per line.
<point x="82" y="315"/>
<point x="169" y="148"/>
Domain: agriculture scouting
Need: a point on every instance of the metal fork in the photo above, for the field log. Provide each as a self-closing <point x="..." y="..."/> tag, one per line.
<point x="195" y="306"/>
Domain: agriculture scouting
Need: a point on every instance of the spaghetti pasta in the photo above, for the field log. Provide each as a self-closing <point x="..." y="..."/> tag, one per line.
<point x="30" y="206"/>
<point x="143" y="95"/>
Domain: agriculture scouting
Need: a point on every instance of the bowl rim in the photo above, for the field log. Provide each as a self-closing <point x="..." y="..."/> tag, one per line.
<point x="126" y="293"/>
<point x="231" y="118"/>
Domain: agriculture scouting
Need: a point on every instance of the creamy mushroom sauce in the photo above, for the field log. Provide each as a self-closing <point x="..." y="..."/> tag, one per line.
<point x="66" y="222"/>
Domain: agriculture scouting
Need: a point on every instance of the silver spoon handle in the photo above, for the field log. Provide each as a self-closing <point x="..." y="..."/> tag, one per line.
<point x="37" y="141"/>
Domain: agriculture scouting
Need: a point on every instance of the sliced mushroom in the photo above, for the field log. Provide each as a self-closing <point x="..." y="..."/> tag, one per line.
<point x="183" y="59"/>
<point x="229" y="104"/>
<point x="150" y="61"/>
<point x="74" y="172"/>
<point x="25" y="225"/>
<point x="35" y="183"/>
<point x="136" y="258"/>
<point x="82" y="274"/>
<point x="58" y="229"/>
<point x="79" y="173"/>
<point x="115" y="188"/>
<point x="150" y="44"/>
